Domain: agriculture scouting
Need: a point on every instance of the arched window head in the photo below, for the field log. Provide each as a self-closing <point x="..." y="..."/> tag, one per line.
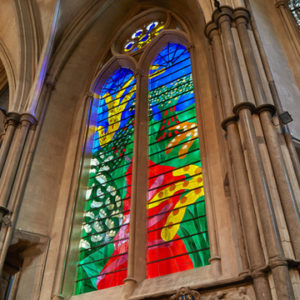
<point x="143" y="195"/>
<point x="294" y="6"/>
<point x="143" y="35"/>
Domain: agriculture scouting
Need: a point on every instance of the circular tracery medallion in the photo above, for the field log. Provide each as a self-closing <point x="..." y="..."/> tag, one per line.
<point x="143" y="36"/>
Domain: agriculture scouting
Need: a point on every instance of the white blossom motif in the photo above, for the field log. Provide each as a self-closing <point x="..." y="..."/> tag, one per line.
<point x="84" y="244"/>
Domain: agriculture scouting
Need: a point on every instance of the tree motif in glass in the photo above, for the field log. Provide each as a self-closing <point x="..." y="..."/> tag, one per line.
<point x="177" y="228"/>
<point x="103" y="253"/>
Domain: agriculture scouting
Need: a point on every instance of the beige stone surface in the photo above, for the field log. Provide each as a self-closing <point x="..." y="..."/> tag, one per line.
<point x="72" y="52"/>
<point x="282" y="58"/>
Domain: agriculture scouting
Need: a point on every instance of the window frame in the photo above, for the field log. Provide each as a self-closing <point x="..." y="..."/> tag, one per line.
<point x="140" y="69"/>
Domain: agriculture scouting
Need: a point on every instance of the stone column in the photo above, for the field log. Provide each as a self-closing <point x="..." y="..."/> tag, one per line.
<point x="15" y="197"/>
<point x="13" y="157"/>
<point x="9" y="184"/>
<point x="11" y="124"/>
<point x="273" y="89"/>
<point x="248" y="218"/>
<point x="243" y="111"/>
<point x="265" y="111"/>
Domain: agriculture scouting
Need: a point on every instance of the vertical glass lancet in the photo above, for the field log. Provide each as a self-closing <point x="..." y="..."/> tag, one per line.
<point x="102" y="261"/>
<point x="177" y="228"/>
<point x="294" y="6"/>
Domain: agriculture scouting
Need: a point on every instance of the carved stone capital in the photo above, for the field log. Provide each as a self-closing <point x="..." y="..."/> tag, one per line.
<point x="229" y="120"/>
<point x="223" y="15"/>
<point x="277" y="261"/>
<point x="266" y="107"/>
<point x="28" y="120"/>
<point x="211" y="29"/>
<point x="241" y="15"/>
<point x="12" y="119"/>
<point x="186" y="293"/>
<point x="26" y="117"/>
<point x="244" y="105"/>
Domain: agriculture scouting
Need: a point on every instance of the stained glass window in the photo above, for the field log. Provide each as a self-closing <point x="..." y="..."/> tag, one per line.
<point x="103" y="253"/>
<point x="294" y="6"/>
<point x="177" y="235"/>
<point x="177" y="229"/>
<point x="143" y="36"/>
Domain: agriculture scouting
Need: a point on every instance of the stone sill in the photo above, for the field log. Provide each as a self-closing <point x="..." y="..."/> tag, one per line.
<point x="153" y="287"/>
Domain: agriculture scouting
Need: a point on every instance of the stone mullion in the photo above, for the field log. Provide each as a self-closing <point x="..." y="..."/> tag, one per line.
<point x="136" y="271"/>
<point x="253" y="244"/>
<point x="280" y="172"/>
<point x="243" y="111"/>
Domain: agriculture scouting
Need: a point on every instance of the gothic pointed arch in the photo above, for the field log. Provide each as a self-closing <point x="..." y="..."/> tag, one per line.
<point x="176" y="31"/>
